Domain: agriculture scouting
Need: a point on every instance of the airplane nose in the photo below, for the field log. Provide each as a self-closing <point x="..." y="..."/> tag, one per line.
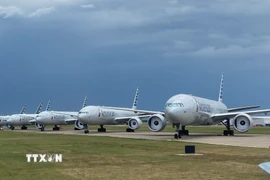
<point x="171" y="114"/>
<point x="82" y="117"/>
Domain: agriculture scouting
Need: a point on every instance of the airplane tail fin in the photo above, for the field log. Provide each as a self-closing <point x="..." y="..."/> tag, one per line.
<point x="39" y="108"/>
<point x="220" y="98"/>
<point x="48" y="108"/>
<point x="85" y="101"/>
<point x="135" y="102"/>
<point x="23" y="109"/>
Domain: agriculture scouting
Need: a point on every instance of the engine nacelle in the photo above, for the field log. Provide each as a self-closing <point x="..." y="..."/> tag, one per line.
<point x="78" y="125"/>
<point x="134" y="123"/>
<point x="242" y="122"/>
<point x="39" y="126"/>
<point x="156" y="123"/>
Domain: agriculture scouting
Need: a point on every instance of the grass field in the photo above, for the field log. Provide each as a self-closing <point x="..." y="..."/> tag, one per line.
<point x="88" y="157"/>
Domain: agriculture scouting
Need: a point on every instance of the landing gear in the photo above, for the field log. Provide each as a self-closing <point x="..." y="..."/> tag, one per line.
<point x="184" y="131"/>
<point x="101" y="129"/>
<point x="86" y="131"/>
<point x="12" y="127"/>
<point x="42" y="128"/>
<point x="129" y="130"/>
<point x="228" y="126"/>
<point x="178" y="135"/>
<point x="56" y="128"/>
<point x="23" y="127"/>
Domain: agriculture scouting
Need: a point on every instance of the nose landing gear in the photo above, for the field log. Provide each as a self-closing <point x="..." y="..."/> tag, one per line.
<point x="181" y="132"/>
<point x="86" y="131"/>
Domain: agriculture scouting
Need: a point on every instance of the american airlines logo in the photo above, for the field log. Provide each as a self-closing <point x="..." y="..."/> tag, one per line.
<point x="57" y="158"/>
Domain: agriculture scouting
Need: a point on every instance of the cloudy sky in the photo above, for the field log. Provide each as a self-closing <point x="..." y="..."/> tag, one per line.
<point x="64" y="49"/>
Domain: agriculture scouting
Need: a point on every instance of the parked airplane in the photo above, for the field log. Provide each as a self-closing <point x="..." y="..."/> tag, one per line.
<point x="22" y="119"/>
<point x="102" y="115"/>
<point x="4" y="119"/>
<point x="183" y="109"/>
<point x="57" y="118"/>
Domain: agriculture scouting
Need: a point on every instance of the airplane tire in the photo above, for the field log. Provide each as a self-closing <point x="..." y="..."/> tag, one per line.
<point x="86" y="131"/>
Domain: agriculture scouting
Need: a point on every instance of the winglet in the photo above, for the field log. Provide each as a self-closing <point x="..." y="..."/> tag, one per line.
<point x="23" y="109"/>
<point x="85" y="101"/>
<point x="39" y="108"/>
<point x="265" y="166"/>
<point x="48" y="108"/>
<point x="135" y="102"/>
<point x="221" y="89"/>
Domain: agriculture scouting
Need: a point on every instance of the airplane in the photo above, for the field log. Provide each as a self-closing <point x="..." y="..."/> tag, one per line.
<point x="185" y="109"/>
<point x="103" y="115"/>
<point x="22" y="119"/>
<point x="57" y="118"/>
<point x="265" y="166"/>
<point x="3" y="121"/>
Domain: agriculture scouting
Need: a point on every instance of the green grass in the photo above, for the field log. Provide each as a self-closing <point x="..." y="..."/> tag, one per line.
<point x="89" y="157"/>
<point x="192" y="129"/>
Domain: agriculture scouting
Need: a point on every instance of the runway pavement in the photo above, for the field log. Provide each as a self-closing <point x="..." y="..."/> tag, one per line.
<point x="244" y="140"/>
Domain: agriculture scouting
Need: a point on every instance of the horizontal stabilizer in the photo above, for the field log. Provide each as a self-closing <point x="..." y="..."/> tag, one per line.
<point x="265" y="166"/>
<point x="243" y="108"/>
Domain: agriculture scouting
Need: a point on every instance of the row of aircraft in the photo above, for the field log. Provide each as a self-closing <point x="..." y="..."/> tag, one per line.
<point x="180" y="110"/>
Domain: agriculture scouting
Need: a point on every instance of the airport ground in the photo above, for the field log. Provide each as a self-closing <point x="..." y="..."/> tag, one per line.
<point x="102" y="157"/>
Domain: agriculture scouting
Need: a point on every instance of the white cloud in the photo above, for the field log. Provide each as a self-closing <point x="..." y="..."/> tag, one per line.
<point x="41" y="11"/>
<point x="88" y="6"/>
<point x="10" y="11"/>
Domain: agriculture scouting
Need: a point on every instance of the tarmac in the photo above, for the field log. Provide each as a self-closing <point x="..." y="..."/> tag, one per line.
<point x="242" y="140"/>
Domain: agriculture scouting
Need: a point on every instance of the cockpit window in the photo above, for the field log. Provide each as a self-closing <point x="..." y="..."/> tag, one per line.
<point x="83" y="112"/>
<point x="174" y="105"/>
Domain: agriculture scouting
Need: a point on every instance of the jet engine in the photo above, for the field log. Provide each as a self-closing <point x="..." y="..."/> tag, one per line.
<point x="134" y="123"/>
<point x="39" y="126"/>
<point x="78" y="125"/>
<point x="242" y="122"/>
<point x="156" y="123"/>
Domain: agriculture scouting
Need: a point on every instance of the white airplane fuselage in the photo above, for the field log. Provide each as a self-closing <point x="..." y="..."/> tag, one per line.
<point x="100" y="115"/>
<point x="21" y="119"/>
<point x="191" y="110"/>
<point x="54" y="117"/>
<point x="3" y="120"/>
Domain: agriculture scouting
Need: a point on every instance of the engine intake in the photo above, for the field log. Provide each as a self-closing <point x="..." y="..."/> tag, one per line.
<point x="156" y="123"/>
<point x="78" y="125"/>
<point x="242" y="122"/>
<point x="39" y="126"/>
<point x="134" y="123"/>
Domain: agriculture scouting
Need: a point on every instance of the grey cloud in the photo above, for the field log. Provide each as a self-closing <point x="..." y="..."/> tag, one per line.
<point x="87" y="6"/>
<point x="10" y="11"/>
<point x="41" y="12"/>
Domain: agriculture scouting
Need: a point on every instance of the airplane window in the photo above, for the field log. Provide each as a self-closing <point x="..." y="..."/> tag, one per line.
<point x="174" y="105"/>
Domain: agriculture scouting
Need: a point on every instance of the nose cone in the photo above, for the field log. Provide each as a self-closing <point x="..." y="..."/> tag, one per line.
<point x="172" y="114"/>
<point x="83" y="117"/>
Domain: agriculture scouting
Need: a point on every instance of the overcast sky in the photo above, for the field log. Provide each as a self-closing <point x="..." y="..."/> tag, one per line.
<point x="64" y="49"/>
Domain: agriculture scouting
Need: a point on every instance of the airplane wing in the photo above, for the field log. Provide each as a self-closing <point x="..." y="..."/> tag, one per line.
<point x="123" y="120"/>
<point x="222" y="116"/>
<point x="32" y="121"/>
<point x="70" y="121"/>
<point x="243" y="108"/>
<point x="265" y="166"/>
<point x="72" y="114"/>
<point x="143" y="112"/>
